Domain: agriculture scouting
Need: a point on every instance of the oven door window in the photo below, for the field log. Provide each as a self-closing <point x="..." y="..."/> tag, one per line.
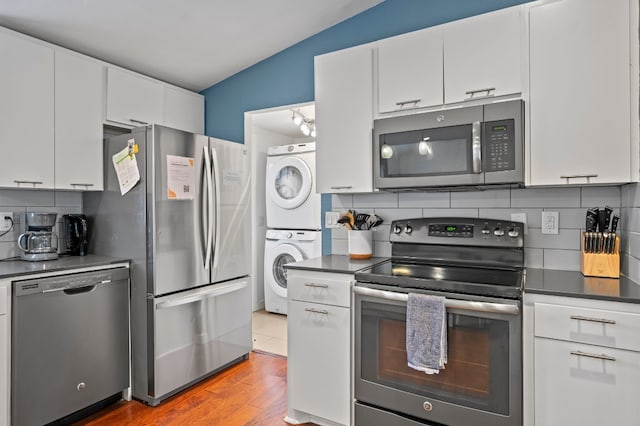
<point x="476" y="374"/>
<point x="434" y="152"/>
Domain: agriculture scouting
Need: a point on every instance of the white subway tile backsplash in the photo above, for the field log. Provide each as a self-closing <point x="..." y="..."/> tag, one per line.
<point x="381" y="233"/>
<point x="450" y="212"/>
<point x="630" y="266"/>
<point x="630" y="195"/>
<point x="339" y="246"/>
<point x="567" y="260"/>
<point x="600" y="196"/>
<point x="381" y="249"/>
<point x="566" y="239"/>
<point x="533" y="215"/>
<point x="389" y="215"/>
<point x="68" y="198"/>
<point x="424" y="199"/>
<point x="341" y="202"/>
<point x="8" y="249"/>
<point x="631" y="244"/>
<point x="573" y="218"/>
<point x="489" y="198"/>
<point x="375" y="200"/>
<point x="22" y="197"/>
<point x="533" y="258"/>
<point x="629" y="219"/>
<point x="545" y="197"/>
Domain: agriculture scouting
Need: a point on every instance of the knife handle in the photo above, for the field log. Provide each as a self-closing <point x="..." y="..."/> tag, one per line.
<point x="602" y="220"/>
<point x="614" y="223"/>
<point x="607" y="217"/>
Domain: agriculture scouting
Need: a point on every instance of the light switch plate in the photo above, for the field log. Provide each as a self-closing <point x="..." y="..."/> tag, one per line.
<point x="550" y="222"/>
<point x="5" y="224"/>
<point x="521" y="217"/>
<point x="331" y="220"/>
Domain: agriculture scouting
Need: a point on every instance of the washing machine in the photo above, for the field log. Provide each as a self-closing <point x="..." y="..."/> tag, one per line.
<point x="291" y="199"/>
<point x="281" y="247"/>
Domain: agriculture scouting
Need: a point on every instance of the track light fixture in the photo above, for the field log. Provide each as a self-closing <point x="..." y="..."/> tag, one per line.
<point x="307" y="125"/>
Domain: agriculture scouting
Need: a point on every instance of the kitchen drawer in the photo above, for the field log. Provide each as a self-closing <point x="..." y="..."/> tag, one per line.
<point x="586" y="325"/>
<point x="319" y="287"/>
<point x="3" y="299"/>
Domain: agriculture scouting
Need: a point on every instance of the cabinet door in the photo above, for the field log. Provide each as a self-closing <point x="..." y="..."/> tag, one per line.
<point x="183" y="110"/>
<point x="26" y="112"/>
<point x="78" y="122"/>
<point x="483" y="55"/>
<point x="318" y="360"/>
<point x="343" y="91"/>
<point x="132" y="99"/>
<point x="410" y="71"/>
<point x="580" y="93"/>
<point x="5" y="350"/>
<point x="574" y="388"/>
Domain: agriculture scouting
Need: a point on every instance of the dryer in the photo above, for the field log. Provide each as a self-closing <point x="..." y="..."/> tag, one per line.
<point x="281" y="247"/>
<point x="291" y="199"/>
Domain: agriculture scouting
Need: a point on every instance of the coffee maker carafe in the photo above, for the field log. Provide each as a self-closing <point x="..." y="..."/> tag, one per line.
<point x="38" y="241"/>
<point x="75" y="234"/>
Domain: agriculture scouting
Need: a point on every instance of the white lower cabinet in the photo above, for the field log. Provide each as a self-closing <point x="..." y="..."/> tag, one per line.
<point x="5" y="350"/>
<point x="582" y="362"/>
<point x="319" y="361"/>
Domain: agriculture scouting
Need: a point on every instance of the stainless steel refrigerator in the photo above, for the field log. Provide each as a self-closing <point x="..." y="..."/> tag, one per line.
<point x="185" y="226"/>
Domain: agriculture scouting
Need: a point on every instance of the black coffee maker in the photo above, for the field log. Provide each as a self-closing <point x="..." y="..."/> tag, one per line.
<point x="75" y="234"/>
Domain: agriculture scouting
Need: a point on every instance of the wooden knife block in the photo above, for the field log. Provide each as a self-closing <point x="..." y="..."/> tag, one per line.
<point x="600" y="264"/>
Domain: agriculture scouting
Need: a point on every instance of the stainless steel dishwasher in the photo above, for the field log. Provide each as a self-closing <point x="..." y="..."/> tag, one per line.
<point x="69" y="344"/>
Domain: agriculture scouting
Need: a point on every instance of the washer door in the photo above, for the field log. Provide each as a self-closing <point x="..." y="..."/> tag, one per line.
<point x="289" y="182"/>
<point x="284" y="253"/>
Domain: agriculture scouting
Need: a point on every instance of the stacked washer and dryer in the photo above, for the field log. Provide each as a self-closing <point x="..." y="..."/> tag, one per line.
<point x="293" y="217"/>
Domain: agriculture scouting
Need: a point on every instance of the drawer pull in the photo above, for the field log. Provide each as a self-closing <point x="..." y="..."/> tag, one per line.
<point x="317" y="285"/>
<point x="341" y="187"/>
<point x="597" y="356"/>
<point x="317" y="311"/>
<point x="591" y="319"/>
<point x="412" y="101"/>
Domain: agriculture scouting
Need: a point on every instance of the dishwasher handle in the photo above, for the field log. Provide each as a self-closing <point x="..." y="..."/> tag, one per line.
<point x="77" y="289"/>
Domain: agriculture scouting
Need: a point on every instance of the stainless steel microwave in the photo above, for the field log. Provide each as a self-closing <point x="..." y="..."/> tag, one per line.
<point x="476" y="146"/>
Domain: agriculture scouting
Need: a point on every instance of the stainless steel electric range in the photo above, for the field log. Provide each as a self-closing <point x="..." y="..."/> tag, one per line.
<point x="478" y="266"/>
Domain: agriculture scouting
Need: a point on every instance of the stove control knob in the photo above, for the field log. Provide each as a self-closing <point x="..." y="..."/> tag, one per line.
<point x="397" y="229"/>
<point x="486" y="230"/>
<point x="513" y="232"/>
<point x="408" y="229"/>
<point x="498" y="232"/>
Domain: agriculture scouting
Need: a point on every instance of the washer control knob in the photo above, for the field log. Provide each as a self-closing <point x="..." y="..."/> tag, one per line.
<point x="289" y="234"/>
<point x="513" y="232"/>
<point x="498" y="232"/>
<point x="397" y="229"/>
<point x="408" y="229"/>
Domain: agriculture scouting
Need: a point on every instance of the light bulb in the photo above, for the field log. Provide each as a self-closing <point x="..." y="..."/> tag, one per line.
<point x="424" y="148"/>
<point x="313" y="130"/>
<point x="304" y="128"/>
<point x="386" y="151"/>
<point x="297" y="118"/>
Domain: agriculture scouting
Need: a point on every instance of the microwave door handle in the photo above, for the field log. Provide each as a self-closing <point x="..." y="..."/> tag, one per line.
<point x="476" y="146"/>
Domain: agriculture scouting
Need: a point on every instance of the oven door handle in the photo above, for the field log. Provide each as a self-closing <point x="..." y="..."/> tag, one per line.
<point x="467" y="305"/>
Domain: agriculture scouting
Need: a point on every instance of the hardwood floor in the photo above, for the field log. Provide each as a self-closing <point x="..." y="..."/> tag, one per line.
<point x="253" y="392"/>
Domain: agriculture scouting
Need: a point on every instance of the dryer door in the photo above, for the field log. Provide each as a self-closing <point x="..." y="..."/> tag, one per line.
<point x="284" y="253"/>
<point x="289" y="182"/>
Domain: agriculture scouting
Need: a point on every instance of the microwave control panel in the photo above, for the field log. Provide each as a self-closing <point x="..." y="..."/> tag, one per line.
<point x="499" y="142"/>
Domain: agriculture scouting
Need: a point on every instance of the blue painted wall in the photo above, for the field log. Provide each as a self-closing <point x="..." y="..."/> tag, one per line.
<point x="287" y="77"/>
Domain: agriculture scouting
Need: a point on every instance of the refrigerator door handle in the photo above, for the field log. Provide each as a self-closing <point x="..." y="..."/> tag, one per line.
<point x="209" y="228"/>
<point x="201" y="294"/>
<point x="216" y="181"/>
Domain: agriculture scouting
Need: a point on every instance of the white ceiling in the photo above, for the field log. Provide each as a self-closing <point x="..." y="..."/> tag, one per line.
<point x="190" y="43"/>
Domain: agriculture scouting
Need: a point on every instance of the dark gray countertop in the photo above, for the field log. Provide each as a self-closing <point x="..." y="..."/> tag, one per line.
<point x="574" y="284"/>
<point x="334" y="263"/>
<point x="11" y="268"/>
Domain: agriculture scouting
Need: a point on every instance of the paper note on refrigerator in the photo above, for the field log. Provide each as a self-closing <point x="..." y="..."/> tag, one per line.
<point x="181" y="177"/>
<point x="126" y="166"/>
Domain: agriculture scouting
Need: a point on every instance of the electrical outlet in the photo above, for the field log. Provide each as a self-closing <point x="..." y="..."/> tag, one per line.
<point x="5" y="224"/>
<point x="550" y="222"/>
<point x="521" y="217"/>
<point x="331" y="220"/>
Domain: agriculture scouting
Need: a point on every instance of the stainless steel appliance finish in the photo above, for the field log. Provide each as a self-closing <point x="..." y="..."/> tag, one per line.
<point x="69" y="343"/>
<point x="478" y="266"/>
<point x="76" y="234"/>
<point x="38" y="241"/>
<point x="191" y="302"/>
<point x="468" y="146"/>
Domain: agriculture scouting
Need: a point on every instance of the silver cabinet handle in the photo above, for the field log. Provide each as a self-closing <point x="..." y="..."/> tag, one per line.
<point x="133" y="120"/>
<point x="487" y="90"/>
<point x="412" y="101"/>
<point x="597" y="356"/>
<point x="467" y="305"/>
<point x="342" y="187"/>
<point x="32" y="182"/>
<point x="591" y="319"/>
<point x="317" y="311"/>
<point x="578" y="176"/>
<point x="317" y="285"/>
<point x="81" y="184"/>
<point x="476" y="147"/>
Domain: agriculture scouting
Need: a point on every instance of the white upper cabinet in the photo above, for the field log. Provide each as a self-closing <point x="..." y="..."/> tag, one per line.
<point x="78" y="122"/>
<point x="344" y="117"/>
<point x="483" y="55"/>
<point x="133" y="99"/>
<point x="580" y="85"/>
<point x="26" y="112"/>
<point x="183" y="110"/>
<point x="410" y="71"/>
